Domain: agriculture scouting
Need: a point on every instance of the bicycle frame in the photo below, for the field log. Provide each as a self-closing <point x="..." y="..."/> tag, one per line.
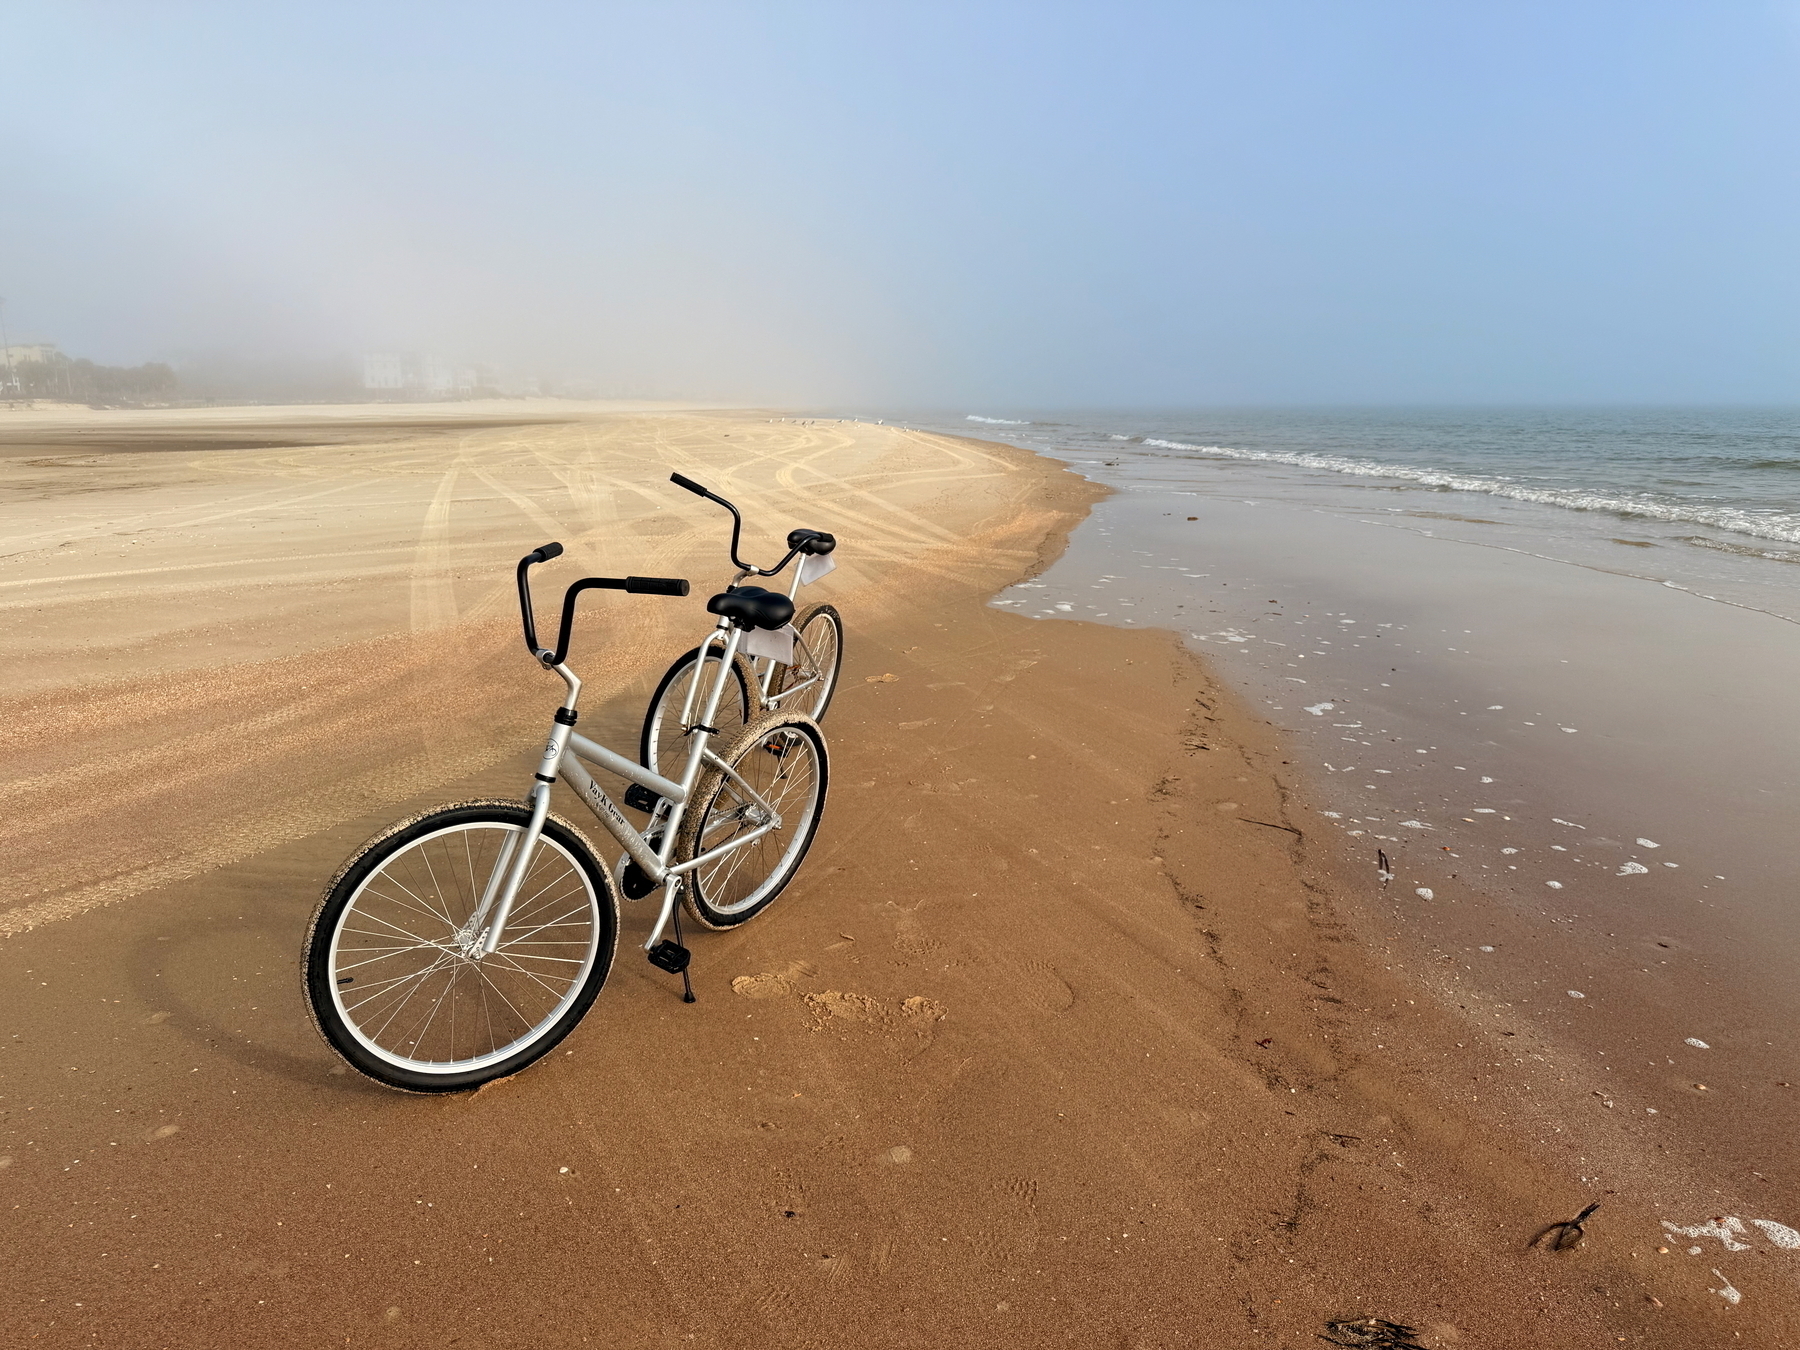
<point x="563" y="754"/>
<point x="762" y="667"/>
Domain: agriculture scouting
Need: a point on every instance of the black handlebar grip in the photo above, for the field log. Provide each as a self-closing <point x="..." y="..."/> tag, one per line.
<point x="656" y="586"/>
<point x="679" y="481"/>
<point x="545" y="554"/>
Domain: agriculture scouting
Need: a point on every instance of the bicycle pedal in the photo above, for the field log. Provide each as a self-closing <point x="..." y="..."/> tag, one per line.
<point x="635" y="882"/>
<point x="670" y="956"/>
<point x="640" y="798"/>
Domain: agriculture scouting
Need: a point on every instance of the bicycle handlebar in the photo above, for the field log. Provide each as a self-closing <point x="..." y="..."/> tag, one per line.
<point x="737" y="520"/>
<point x="798" y="540"/>
<point x="630" y="585"/>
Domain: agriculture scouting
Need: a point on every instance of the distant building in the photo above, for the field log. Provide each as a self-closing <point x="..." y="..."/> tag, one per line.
<point x="384" y="371"/>
<point x="414" y="375"/>
<point x="26" y="353"/>
<point x="423" y="376"/>
<point x="436" y="376"/>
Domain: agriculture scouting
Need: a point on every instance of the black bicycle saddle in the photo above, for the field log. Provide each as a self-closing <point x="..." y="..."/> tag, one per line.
<point x="752" y="607"/>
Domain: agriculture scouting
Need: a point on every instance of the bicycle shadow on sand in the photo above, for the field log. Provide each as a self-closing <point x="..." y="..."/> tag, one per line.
<point x="216" y="960"/>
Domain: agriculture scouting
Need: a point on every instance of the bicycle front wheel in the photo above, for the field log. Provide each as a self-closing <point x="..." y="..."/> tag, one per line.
<point x="663" y="744"/>
<point x="806" y="685"/>
<point x="770" y="796"/>
<point x="392" y="975"/>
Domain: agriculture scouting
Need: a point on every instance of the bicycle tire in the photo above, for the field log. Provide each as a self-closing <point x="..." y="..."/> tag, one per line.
<point x="782" y="757"/>
<point x="663" y="736"/>
<point x="818" y="651"/>
<point x="409" y="888"/>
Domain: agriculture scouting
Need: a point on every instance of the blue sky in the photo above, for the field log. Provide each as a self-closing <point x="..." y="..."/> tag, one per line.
<point x="928" y="204"/>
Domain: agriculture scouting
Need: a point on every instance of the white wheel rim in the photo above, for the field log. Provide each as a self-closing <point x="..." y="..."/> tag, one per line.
<point x="827" y="678"/>
<point x="398" y="923"/>
<point x="716" y="877"/>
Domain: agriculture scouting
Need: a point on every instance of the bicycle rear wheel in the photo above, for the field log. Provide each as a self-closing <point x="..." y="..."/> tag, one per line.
<point x="778" y="770"/>
<point x="391" y="977"/>
<point x="663" y="743"/>
<point x="806" y="685"/>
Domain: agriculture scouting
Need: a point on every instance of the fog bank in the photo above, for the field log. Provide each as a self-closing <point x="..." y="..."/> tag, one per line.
<point x="1004" y="203"/>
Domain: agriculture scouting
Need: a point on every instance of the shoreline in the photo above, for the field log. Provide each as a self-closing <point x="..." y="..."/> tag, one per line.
<point x="1581" y="1016"/>
<point x="1056" y="1034"/>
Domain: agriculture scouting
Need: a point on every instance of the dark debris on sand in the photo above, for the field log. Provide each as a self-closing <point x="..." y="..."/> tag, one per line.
<point x="1565" y="1234"/>
<point x="1371" y="1333"/>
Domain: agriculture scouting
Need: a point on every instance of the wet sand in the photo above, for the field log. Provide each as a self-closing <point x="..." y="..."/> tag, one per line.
<point x="1582" y="786"/>
<point x="1066" y="1034"/>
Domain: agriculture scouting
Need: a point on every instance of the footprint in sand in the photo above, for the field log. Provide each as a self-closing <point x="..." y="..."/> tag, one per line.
<point x="771" y="983"/>
<point x="1038" y="985"/>
<point x="778" y="1305"/>
<point x="910" y="938"/>
<point x="1023" y="1189"/>
<point x="1016" y="1230"/>
<point x="836" y="1006"/>
<point x="793" y="1193"/>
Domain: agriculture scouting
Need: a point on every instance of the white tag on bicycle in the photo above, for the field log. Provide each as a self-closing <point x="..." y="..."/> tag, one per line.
<point x="815" y="565"/>
<point x="776" y="643"/>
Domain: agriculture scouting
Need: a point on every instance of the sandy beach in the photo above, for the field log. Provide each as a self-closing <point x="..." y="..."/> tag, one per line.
<point x="1078" y="1027"/>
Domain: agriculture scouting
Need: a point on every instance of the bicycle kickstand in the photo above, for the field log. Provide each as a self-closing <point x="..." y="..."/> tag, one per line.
<point x="687" y="985"/>
<point x="675" y="958"/>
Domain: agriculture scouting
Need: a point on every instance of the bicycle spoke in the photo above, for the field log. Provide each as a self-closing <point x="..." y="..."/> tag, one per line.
<point x="383" y="954"/>
<point x="500" y="994"/>
<point x="517" y="969"/>
<point x="403" y="932"/>
<point x="432" y="914"/>
<point x="436" y="889"/>
<point x="417" y="982"/>
<point x="426" y="1024"/>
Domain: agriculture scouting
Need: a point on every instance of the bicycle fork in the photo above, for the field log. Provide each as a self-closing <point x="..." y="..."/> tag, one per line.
<point x="516" y="853"/>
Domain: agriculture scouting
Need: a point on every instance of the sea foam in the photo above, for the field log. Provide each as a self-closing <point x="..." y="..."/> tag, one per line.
<point x="1783" y="526"/>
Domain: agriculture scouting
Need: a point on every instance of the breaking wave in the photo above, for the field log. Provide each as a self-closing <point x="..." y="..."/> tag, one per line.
<point x="1783" y="526"/>
<point x="999" y="421"/>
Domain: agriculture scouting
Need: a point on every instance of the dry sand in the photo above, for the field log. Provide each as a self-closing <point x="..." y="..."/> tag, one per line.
<point x="1059" y="1037"/>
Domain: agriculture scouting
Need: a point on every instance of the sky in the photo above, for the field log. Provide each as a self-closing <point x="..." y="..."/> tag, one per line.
<point x="1010" y="205"/>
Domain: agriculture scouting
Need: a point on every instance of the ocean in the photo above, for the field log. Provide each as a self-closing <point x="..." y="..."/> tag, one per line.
<point x="1705" y="498"/>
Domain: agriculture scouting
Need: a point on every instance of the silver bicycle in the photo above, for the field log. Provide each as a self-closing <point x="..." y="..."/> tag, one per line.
<point x="792" y="665"/>
<point x="462" y="944"/>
